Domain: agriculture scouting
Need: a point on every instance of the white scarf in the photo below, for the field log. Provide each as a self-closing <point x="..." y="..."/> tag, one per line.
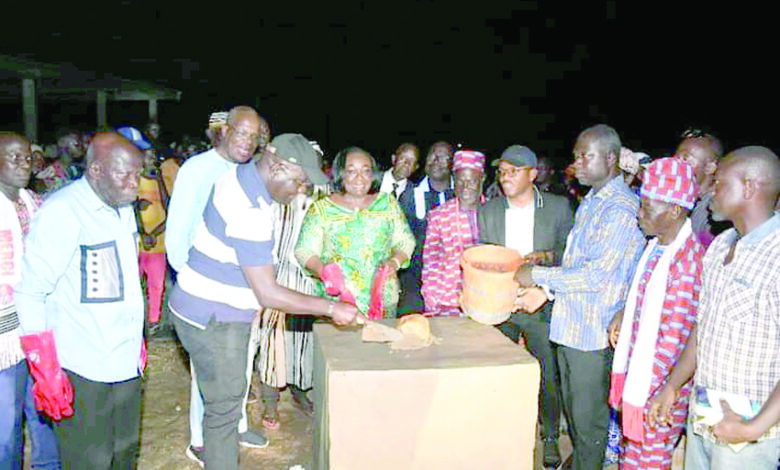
<point x="11" y="245"/>
<point x="639" y="371"/>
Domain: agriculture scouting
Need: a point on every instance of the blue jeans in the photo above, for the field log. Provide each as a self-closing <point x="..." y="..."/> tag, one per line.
<point x="45" y="453"/>
<point x="12" y="380"/>
<point x="701" y="454"/>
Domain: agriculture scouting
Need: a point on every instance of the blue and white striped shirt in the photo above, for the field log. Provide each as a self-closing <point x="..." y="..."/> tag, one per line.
<point x="236" y="230"/>
<point x="591" y="284"/>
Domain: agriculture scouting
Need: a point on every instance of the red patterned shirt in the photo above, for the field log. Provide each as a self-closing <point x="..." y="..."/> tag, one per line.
<point x="450" y="230"/>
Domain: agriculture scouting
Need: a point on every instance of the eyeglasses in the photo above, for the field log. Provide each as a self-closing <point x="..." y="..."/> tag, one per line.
<point x="512" y="172"/>
<point x="17" y="158"/>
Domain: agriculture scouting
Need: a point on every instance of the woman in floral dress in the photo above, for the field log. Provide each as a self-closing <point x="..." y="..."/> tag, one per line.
<point x="346" y="237"/>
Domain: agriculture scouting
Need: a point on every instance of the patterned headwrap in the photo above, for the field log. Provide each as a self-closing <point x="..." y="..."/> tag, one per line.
<point x="670" y="180"/>
<point x="468" y="159"/>
<point x="218" y="119"/>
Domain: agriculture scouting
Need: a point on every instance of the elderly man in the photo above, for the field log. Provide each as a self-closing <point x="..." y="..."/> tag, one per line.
<point x="536" y="224"/>
<point x="735" y="350"/>
<point x="230" y="274"/>
<point x="659" y="316"/>
<point x="430" y="192"/>
<point x="589" y="287"/>
<point x="79" y="300"/>
<point x="236" y="144"/>
<point x="451" y="228"/>
<point x="404" y="162"/>
<point x="702" y="151"/>
<point x="17" y="206"/>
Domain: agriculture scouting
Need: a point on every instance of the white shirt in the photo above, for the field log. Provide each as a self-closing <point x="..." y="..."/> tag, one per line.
<point x="387" y="183"/>
<point x="519" y="227"/>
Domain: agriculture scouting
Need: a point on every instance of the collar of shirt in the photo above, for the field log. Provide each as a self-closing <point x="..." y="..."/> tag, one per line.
<point x="608" y="190"/>
<point x="760" y="232"/>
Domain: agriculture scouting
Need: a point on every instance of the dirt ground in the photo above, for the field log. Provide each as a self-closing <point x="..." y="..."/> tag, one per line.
<point x="165" y="420"/>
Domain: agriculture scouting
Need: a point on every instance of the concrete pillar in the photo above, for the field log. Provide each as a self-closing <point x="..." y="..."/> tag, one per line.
<point x="101" y="109"/>
<point x="153" y="110"/>
<point x="29" y="106"/>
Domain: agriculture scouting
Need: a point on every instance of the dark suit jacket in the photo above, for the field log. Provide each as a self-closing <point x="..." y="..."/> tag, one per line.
<point x="411" y="279"/>
<point x="553" y="220"/>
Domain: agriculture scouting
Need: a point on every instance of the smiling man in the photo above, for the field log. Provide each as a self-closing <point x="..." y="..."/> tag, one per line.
<point x="80" y="301"/>
<point x="230" y="274"/>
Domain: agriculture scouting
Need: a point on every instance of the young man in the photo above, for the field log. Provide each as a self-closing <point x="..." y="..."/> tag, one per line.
<point x="735" y="349"/>
<point x="404" y="162"/>
<point x="536" y="224"/>
<point x="589" y="288"/>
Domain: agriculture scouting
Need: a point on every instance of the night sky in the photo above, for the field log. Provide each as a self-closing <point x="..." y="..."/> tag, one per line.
<point x="375" y="74"/>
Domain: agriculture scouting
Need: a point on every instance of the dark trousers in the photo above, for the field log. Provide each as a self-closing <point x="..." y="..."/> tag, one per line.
<point x="536" y="333"/>
<point x="104" y="431"/>
<point x="219" y="355"/>
<point x="584" y="388"/>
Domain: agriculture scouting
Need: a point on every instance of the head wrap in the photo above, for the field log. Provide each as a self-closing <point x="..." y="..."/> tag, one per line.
<point x="670" y="180"/>
<point x="218" y="119"/>
<point x="468" y="160"/>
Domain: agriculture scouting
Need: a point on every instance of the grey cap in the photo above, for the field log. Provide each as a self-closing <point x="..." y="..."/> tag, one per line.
<point x="517" y="155"/>
<point x="296" y="149"/>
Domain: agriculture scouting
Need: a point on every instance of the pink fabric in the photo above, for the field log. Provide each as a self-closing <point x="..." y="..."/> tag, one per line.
<point x="616" y="390"/>
<point x="376" y="307"/>
<point x="468" y="159"/>
<point x="152" y="265"/>
<point x="333" y="281"/>
<point x="633" y="422"/>
<point x="449" y="232"/>
<point x="656" y="446"/>
<point x="670" y="180"/>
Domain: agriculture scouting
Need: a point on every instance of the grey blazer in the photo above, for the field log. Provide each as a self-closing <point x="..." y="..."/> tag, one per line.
<point x="553" y="220"/>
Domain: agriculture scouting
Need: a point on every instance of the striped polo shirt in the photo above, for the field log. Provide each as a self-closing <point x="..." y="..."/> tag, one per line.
<point x="236" y="230"/>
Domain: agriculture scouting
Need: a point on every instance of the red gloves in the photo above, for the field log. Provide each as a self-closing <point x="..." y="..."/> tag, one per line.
<point x="376" y="307"/>
<point x="52" y="390"/>
<point x="333" y="282"/>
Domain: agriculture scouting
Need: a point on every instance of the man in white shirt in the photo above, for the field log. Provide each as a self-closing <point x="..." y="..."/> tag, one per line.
<point x="405" y="161"/>
<point x="535" y="224"/>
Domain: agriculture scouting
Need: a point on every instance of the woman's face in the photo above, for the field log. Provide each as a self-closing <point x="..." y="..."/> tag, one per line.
<point x="358" y="174"/>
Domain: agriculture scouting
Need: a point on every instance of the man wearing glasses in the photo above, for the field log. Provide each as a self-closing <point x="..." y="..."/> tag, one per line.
<point x="535" y="224"/>
<point x="237" y="143"/>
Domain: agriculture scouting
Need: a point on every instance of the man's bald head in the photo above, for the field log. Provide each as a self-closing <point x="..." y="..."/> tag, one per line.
<point x="759" y="165"/>
<point x="7" y="138"/>
<point x="114" y="167"/>
<point x="605" y="137"/>
<point x="242" y="134"/>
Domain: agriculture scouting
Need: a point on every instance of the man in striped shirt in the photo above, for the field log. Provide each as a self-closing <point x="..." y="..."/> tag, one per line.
<point x="230" y="274"/>
<point x="590" y="286"/>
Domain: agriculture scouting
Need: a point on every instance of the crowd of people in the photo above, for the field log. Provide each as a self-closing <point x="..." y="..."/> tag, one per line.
<point x="651" y="300"/>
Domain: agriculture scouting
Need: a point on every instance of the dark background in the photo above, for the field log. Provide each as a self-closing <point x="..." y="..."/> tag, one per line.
<point x="375" y="73"/>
